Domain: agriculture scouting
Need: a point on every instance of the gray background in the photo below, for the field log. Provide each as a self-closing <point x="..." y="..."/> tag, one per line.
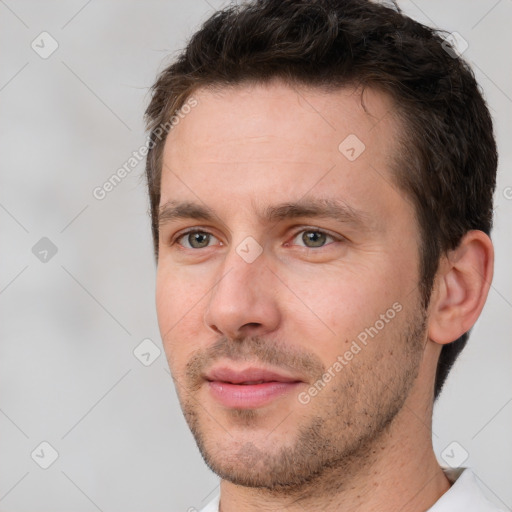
<point x="68" y="375"/>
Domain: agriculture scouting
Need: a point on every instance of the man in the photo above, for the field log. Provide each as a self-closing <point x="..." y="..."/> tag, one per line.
<point x="321" y="177"/>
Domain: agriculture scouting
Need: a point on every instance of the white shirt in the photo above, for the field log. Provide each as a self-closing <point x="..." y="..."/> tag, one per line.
<point x="465" y="495"/>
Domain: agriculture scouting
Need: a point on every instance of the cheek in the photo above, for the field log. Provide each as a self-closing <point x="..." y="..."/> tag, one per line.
<point x="178" y="294"/>
<point x="179" y="306"/>
<point x="343" y="303"/>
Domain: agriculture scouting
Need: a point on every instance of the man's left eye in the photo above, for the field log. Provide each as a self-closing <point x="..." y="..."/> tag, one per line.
<point x="313" y="238"/>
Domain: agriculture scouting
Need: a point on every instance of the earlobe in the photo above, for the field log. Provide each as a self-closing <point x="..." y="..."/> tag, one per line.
<point x="461" y="287"/>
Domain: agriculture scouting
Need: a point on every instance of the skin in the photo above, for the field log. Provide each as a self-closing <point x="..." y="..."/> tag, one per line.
<point x="364" y="441"/>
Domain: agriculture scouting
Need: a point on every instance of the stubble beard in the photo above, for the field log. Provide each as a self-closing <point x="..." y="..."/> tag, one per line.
<point x="336" y="442"/>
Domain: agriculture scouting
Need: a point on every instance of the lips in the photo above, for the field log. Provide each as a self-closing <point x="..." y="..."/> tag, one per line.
<point x="247" y="376"/>
<point x="248" y="388"/>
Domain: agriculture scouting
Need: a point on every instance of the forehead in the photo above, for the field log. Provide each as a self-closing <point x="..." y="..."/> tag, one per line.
<point x="256" y="145"/>
<point x="242" y="120"/>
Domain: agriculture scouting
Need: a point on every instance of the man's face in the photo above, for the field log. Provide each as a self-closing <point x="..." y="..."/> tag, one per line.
<point x="294" y="336"/>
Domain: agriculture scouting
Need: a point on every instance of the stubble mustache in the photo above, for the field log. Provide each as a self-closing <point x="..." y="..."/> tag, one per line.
<point x="256" y="351"/>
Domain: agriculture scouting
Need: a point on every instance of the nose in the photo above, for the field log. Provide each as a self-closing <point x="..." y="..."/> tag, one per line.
<point x="244" y="300"/>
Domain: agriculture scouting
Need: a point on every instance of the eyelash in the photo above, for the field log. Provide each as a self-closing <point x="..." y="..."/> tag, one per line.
<point x="303" y="230"/>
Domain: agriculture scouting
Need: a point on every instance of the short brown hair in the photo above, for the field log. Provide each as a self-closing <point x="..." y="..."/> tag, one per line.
<point x="448" y="160"/>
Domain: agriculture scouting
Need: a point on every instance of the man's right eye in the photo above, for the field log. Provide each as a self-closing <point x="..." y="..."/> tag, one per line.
<point x="195" y="239"/>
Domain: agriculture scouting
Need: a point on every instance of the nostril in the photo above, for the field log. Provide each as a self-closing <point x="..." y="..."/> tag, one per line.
<point x="251" y="324"/>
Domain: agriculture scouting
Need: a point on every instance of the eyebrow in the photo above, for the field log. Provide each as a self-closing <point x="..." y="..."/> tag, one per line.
<point x="320" y="207"/>
<point x="329" y="208"/>
<point x="173" y="210"/>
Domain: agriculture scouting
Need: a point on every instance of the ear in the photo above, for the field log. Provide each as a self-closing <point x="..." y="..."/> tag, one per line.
<point x="460" y="288"/>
